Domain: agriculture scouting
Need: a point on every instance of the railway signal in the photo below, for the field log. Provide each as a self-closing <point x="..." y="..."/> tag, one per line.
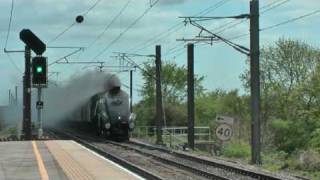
<point x="39" y="80"/>
<point x="39" y="71"/>
<point x="32" y="41"/>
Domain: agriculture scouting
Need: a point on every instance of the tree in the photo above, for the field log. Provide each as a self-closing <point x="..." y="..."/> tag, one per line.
<point x="285" y="69"/>
<point x="174" y="92"/>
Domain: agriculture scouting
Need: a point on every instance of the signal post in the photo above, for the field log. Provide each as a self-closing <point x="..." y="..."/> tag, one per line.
<point x="39" y="78"/>
<point x="39" y="81"/>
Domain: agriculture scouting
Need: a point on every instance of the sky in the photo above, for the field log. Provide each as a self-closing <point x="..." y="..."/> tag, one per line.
<point x="136" y="26"/>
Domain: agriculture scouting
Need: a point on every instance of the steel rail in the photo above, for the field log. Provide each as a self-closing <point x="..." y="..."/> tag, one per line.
<point x="122" y="162"/>
<point x="230" y="168"/>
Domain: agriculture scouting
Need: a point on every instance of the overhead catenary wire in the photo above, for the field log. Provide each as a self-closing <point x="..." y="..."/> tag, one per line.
<point x="179" y="51"/>
<point x="174" y="28"/>
<point x="7" y="39"/>
<point x="230" y="25"/>
<point x="66" y="56"/>
<point x="125" y="31"/>
<point x="290" y="20"/>
<point x="93" y="6"/>
<point x="173" y="49"/>
<point x="9" y="25"/>
<point x="273" y="6"/>
<point x="110" y="23"/>
<point x="278" y="24"/>
<point x="203" y="12"/>
<point x="269" y="5"/>
<point x="71" y="25"/>
<point x="13" y="63"/>
<point x="212" y="8"/>
<point x="128" y="87"/>
<point x="151" y="41"/>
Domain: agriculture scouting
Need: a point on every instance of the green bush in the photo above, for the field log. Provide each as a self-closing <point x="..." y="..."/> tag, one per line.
<point x="274" y="160"/>
<point x="13" y="131"/>
<point x="308" y="160"/>
<point x="314" y="142"/>
<point x="236" y="150"/>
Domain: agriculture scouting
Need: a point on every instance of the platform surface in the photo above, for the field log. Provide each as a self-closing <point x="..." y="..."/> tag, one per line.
<point x="56" y="160"/>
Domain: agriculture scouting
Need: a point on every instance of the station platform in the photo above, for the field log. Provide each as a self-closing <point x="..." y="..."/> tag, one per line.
<point x="56" y="160"/>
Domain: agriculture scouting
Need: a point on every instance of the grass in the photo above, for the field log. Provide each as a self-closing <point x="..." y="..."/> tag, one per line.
<point x="12" y="131"/>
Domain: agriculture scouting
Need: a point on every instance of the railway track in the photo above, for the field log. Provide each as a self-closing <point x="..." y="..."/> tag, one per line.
<point x="200" y="166"/>
<point x="107" y="154"/>
<point x="208" y="164"/>
<point x="140" y="158"/>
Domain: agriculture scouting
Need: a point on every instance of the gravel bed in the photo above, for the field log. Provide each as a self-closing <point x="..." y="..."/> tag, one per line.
<point x="235" y="164"/>
<point x="190" y="163"/>
<point x="149" y="163"/>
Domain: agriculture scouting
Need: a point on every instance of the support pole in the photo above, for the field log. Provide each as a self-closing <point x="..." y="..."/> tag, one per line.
<point x="39" y="115"/>
<point x="10" y="101"/>
<point x="159" y="108"/>
<point x="255" y="82"/>
<point x="191" y="96"/>
<point x="27" y="95"/>
<point x="131" y="73"/>
<point x="16" y="95"/>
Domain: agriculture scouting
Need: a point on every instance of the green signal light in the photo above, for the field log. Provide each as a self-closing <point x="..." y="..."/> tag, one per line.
<point x="39" y="69"/>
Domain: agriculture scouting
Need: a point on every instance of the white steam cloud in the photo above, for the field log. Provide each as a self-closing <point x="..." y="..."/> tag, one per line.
<point x="61" y="101"/>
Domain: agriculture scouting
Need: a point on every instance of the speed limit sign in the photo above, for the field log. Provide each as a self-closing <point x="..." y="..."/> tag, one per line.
<point x="224" y="132"/>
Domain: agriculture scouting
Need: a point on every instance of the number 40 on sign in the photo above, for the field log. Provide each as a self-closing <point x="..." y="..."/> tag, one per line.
<point x="224" y="132"/>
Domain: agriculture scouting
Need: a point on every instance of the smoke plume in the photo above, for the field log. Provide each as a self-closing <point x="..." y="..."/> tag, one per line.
<point x="61" y="101"/>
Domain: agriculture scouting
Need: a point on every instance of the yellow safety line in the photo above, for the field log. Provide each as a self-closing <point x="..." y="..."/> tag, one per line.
<point x="42" y="168"/>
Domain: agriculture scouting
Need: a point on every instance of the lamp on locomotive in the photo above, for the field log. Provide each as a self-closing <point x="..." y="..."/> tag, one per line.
<point x="39" y="70"/>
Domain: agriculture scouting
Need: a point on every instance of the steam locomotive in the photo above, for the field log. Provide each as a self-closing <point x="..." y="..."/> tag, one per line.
<point x="109" y="113"/>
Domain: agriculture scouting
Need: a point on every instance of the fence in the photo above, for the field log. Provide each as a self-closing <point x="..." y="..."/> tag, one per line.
<point x="173" y="136"/>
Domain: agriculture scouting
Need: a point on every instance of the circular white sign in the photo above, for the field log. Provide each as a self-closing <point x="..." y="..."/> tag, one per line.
<point x="224" y="132"/>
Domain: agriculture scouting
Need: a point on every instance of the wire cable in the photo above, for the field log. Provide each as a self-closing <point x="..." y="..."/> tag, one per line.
<point x="290" y="20"/>
<point x="9" y="25"/>
<point x="269" y="4"/>
<point x="230" y="25"/>
<point x="273" y="26"/>
<point x="70" y="26"/>
<point x="276" y="25"/>
<point x="158" y="38"/>
<point x="167" y="32"/>
<point x="109" y="24"/>
<point x="275" y="5"/>
<point x="93" y="6"/>
<point x="212" y="8"/>
<point x="125" y="31"/>
<point x="13" y="63"/>
<point x="7" y="39"/>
